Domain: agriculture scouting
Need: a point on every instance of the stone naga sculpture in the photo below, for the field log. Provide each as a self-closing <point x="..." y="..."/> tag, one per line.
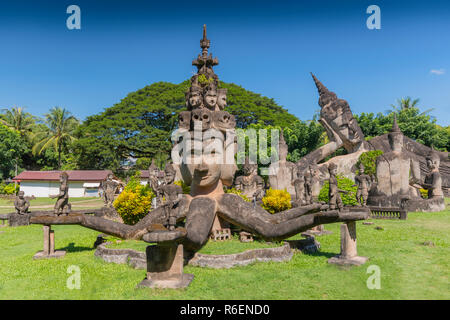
<point x="21" y="204"/>
<point x="205" y="144"/>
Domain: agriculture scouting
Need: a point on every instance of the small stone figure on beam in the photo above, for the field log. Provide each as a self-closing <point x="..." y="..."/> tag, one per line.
<point x="363" y="183"/>
<point x="109" y="186"/>
<point x="21" y="204"/>
<point x="172" y="195"/>
<point x="62" y="205"/>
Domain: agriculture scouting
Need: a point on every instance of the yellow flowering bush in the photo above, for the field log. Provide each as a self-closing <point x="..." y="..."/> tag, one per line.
<point x="134" y="202"/>
<point x="276" y="200"/>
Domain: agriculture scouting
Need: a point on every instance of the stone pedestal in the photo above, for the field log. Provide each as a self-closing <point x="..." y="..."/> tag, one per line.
<point x="49" y="246"/>
<point x="165" y="267"/>
<point x="349" y="254"/>
<point x="17" y="220"/>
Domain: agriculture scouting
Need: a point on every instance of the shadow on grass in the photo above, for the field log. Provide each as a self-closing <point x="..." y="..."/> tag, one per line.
<point x="71" y="248"/>
<point x="321" y="254"/>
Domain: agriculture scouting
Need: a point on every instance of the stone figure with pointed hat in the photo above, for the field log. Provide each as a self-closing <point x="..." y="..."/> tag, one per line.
<point x="396" y="174"/>
<point x="282" y="173"/>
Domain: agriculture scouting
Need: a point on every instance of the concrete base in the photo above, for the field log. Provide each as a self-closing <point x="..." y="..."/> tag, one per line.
<point x="43" y="255"/>
<point x="348" y="261"/>
<point x="169" y="283"/>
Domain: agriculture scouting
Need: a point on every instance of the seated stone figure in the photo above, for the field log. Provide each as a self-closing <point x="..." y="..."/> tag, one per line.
<point x="21" y="204"/>
<point x="282" y="173"/>
<point x="433" y="183"/>
<point x="394" y="185"/>
<point x="251" y="185"/>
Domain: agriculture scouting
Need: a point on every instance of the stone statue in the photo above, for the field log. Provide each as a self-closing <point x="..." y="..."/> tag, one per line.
<point x="363" y="182"/>
<point x="21" y="204"/>
<point x="211" y="99"/>
<point x="433" y="180"/>
<point x="155" y="183"/>
<point x="396" y="174"/>
<point x="207" y="168"/>
<point x="62" y="205"/>
<point x="343" y="131"/>
<point x="250" y="184"/>
<point x="335" y="200"/>
<point x="171" y="195"/>
<point x="221" y="99"/>
<point x="109" y="186"/>
<point x="282" y="173"/>
<point x="308" y="187"/>
<point x="299" y="185"/>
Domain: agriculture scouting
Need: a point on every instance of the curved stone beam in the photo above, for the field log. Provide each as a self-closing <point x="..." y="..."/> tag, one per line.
<point x="281" y="225"/>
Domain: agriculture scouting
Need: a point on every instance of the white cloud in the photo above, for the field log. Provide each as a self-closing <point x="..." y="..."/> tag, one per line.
<point x="437" y="71"/>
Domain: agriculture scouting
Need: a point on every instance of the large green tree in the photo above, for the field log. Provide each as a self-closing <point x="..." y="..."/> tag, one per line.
<point x="414" y="124"/>
<point x="140" y="125"/>
<point x="11" y="149"/>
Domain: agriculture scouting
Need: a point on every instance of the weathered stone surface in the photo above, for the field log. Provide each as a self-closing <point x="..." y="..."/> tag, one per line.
<point x="134" y="258"/>
<point x="277" y="254"/>
<point x="17" y="220"/>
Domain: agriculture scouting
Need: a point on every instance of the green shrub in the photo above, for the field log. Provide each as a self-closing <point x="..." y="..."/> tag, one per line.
<point x="186" y="188"/>
<point x="135" y="201"/>
<point x="369" y="161"/>
<point x="276" y="200"/>
<point x="239" y="193"/>
<point x="343" y="184"/>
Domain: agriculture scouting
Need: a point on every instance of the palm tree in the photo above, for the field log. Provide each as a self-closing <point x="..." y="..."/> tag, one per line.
<point x="61" y="125"/>
<point x="18" y="120"/>
<point x="406" y="103"/>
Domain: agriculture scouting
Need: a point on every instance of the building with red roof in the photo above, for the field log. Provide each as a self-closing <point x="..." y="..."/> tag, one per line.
<point x="82" y="183"/>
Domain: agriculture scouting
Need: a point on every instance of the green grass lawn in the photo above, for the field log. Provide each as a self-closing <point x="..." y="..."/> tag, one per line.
<point x="409" y="269"/>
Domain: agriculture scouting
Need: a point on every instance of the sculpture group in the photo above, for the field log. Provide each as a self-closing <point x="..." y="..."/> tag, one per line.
<point x="181" y="224"/>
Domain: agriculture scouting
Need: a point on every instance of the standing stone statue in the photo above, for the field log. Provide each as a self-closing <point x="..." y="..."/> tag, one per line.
<point x="396" y="174"/>
<point x="335" y="200"/>
<point x="172" y="195"/>
<point x="250" y="184"/>
<point x="62" y="205"/>
<point x="433" y="180"/>
<point x="308" y="188"/>
<point x="282" y="173"/>
<point x="155" y="183"/>
<point x="299" y="185"/>
<point x="109" y="186"/>
<point x="21" y="204"/>
<point x="363" y="183"/>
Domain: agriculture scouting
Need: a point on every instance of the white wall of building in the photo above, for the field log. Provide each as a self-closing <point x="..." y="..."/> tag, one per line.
<point x="48" y="188"/>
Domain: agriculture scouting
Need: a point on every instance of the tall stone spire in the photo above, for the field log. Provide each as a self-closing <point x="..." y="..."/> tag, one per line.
<point x="204" y="63"/>
<point x="325" y="95"/>
<point x="395" y="127"/>
<point x="320" y="87"/>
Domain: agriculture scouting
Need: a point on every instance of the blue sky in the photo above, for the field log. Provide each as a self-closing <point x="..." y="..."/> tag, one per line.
<point x="266" y="46"/>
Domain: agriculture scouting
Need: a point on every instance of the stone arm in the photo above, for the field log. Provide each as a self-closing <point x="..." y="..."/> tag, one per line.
<point x="153" y="220"/>
<point x="281" y="225"/>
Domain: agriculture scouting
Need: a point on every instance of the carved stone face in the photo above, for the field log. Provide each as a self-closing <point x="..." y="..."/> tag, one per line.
<point x="211" y="99"/>
<point x="110" y="177"/>
<point x="250" y="169"/>
<point x="396" y="141"/>
<point x="222" y="100"/>
<point x="202" y="115"/>
<point x="21" y="195"/>
<point x="205" y="167"/>
<point x="169" y="176"/>
<point x="222" y="120"/>
<point x="433" y="163"/>
<point x="195" y="99"/>
<point x="184" y="120"/>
